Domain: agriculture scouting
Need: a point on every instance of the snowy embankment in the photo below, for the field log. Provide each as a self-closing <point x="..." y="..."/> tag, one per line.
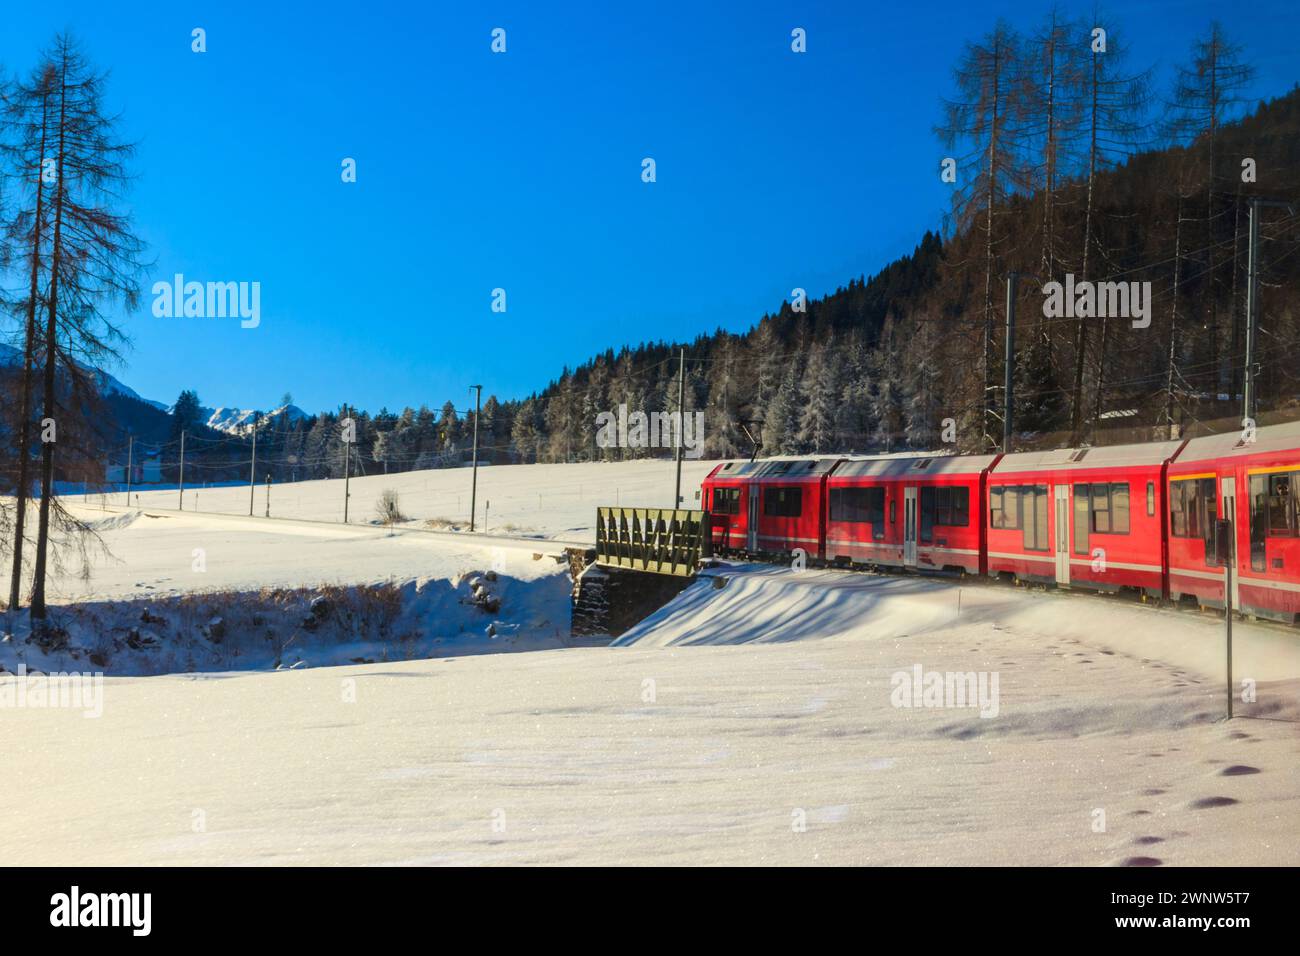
<point x="758" y="722"/>
<point x="211" y="588"/>
<point x="183" y="592"/>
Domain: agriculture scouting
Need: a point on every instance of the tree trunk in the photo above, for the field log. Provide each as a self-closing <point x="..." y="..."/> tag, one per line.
<point x="51" y="360"/>
<point x="25" y="401"/>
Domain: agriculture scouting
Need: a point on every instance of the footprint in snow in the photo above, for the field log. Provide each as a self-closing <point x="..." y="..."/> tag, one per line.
<point x="1142" y="861"/>
<point x="1207" y="803"/>
<point x="1238" y="770"/>
<point x="1148" y="840"/>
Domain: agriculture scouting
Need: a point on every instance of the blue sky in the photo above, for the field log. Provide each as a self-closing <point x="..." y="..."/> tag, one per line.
<point x="522" y="171"/>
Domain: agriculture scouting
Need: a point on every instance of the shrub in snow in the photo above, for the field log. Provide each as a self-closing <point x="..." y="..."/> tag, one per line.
<point x="388" y="508"/>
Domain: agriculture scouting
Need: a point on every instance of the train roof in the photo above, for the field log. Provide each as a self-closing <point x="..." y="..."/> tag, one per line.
<point x="790" y="467"/>
<point x="1270" y="438"/>
<point x="911" y="463"/>
<point x="1108" y="456"/>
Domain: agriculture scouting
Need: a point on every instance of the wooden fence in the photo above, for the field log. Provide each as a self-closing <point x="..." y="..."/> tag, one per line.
<point x="659" y="540"/>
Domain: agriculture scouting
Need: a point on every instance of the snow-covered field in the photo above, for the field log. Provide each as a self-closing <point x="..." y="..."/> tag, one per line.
<point x="549" y="501"/>
<point x="755" y="726"/>
<point x="763" y="716"/>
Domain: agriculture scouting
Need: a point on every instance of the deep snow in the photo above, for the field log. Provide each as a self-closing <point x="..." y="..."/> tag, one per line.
<point x="757" y="747"/>
<point x="751" y="722"/>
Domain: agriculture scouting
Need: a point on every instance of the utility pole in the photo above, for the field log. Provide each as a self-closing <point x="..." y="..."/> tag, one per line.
<point x="181" y="504"/>
<point x="130" y="456"/>
<point x="1008" y="374"/>
<point x="347" y="462"/>
<point x="473" y="486"/>
<point x="681" y="422"/>
<point x="252" y="469"/>
<point x="1249" y="387"/>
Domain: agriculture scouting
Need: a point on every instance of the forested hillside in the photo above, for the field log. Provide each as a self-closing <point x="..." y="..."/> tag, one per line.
<point x="1067" y="160"/>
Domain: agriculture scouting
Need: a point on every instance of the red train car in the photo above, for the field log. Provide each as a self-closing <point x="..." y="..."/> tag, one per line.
<point x="908" y="511"/>
<point x="1250" y="479"/>
<point x="769" y="507"/>
<point x="1082" y="517"/>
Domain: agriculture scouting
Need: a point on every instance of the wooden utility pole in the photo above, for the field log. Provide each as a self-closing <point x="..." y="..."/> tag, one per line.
<point x="180" y="506"/>
<point x="681" y="422"/>
<point x="473" y="486"/>
<point x="1250" y="387"/>
<point x="1008" y="373"/>
<point x="252" y="468"/>
<point x="347" y="461"/>
<point x="130" y="466"/>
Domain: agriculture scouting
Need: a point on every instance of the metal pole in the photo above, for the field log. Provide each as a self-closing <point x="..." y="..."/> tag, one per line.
<point x="268" y="494"/>
<point x="681" y="422"/>
<point x="473" y="487"/>
<point x="181" y="504"/>
<point x="1008" y="375"/>
<point x="1252" y="305"/>
<point x="1227" y="609"/>
<point x="130" y="463"/>
<point x="252" y="470"/>
<point x="347" y="466"/>
<point x="1249" y="386"/>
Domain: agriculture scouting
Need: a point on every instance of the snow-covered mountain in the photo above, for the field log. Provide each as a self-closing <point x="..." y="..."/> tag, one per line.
<point x="232" y="421"/>
<point x="108" y="385"/>
<point x="239" y="421"/>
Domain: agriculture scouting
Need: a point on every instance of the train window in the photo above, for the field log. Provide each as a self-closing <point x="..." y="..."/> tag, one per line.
<point x="1273" y="514"/>
<point x="1258" y="522"/>
<point x="858" y="504"/>
<point x="1151" y="499"/>
<point x="952" y="507"/>
<point x="783" y="502"/>
<point x="1281" y="507"/>
<point x="726" y="501"/>
<point x="1082" y="521"/>
<point x="946" y="507"/>
<point x="1034" y="514"/>
<point x="1193" y="506"/>
<point x="1004" y="507"/>
<point x="927" y="515"/>
<point x="1119" y="509"/>
<point x="1099" y="508"/>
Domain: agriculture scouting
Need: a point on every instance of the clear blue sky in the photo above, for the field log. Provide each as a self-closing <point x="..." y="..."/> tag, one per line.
<point x="522" y="171"/>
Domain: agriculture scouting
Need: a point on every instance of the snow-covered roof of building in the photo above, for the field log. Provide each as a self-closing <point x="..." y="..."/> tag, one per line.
<point x="1269" y="438"/>
<point x="1108" y="456"/>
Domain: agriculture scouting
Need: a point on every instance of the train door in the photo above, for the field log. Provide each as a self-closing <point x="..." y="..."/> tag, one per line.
<point x="751" y="543"/>
<point x="1061" y="521"/>
<point x="1228" y="492"/>
<point x="909" y="526"/>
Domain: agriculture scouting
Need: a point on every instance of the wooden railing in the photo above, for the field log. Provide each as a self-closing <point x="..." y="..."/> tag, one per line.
<point x="659" y="540"/>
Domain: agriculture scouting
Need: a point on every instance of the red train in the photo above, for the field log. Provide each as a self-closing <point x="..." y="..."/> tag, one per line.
<point x="1129" y="517"/>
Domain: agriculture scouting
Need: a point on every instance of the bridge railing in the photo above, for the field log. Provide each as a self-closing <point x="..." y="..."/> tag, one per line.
<point x="658" y="540"/>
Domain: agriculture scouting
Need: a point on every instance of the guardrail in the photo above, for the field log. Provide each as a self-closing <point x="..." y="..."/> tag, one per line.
<point x="658" y="540"/>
